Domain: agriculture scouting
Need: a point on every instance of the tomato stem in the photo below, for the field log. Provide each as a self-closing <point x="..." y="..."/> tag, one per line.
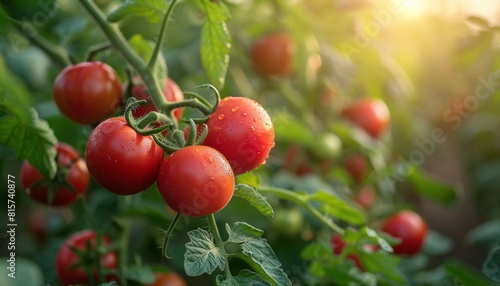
<point x="168" y="235"/>
<point x="303" y="201"/>
<point x="218" y="240"/>
<point x="161" y="37"/>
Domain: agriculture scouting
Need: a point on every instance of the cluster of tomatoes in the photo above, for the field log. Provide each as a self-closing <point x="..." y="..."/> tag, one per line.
<point x="195" y="180"/>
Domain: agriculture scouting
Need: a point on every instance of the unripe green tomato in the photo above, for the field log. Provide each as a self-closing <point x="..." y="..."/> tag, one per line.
<point x="329" y="146"/>
<point x="287" y="222"/>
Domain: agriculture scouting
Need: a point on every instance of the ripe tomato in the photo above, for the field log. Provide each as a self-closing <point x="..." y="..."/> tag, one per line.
<point x="338" y="246"/>
<point x="370" y="114"/>
<point x="366" y="197"/>
<point x="196" y="181"/>
<point x="121" y="160"/>
<point x="71" y="169"/>
<point x="241" y="129"/>
<point x="273" y="55"/>
<point x="168" y="279"/>
<point x="66" y="258"/>
<point x="87" y="92"/>
<point x="171" y="91"/>
<point x="356" y="166"/>
<point x="410" y="228"/>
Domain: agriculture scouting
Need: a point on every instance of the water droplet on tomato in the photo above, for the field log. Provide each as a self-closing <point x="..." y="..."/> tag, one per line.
<point x="241" y="122"/>
<point x="234" y="109"/>
<point x="243" y="114"/>
<point x="217" y="128"/>
<point x="221" y="117"/>
<point x="255" y="119"/>
<point x="208" y="158"/>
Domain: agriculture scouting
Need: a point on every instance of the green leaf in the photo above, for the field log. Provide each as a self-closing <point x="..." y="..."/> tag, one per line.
<point x="466" y="274"/>
<point x="254" y="198"/>
<point x="257" y="253"/>
<point x="202" y="256"/>
<point x="486" y="234"/>
<point x="248" y="178"/>
<point x="142" y="274"/>
<point x="215" y="41"/>
<point x="289" y="129"/>
<point x="432" y="188"/>
<point x="30" y="137"/>
<point x="382" y="263"/>
<point x="478" y="21"/>
<point x="381" y="241"/>
<point x="152" y="10"/>
<point x="437" y="244"/>
<point x="491" y="266"/>
<point x="26" y="273"/>
<point x="244" y="278"/>
<point x="145" y="49"/>
<point x="334" y="206"/>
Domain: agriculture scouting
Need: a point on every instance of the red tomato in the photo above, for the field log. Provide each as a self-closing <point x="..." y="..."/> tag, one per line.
<point x="77" y="176"/>
<point x="87" y="92"/>
<point x="121" y="160"/>
<point x="366" y="197"/>
<point x="66" y="258"/>
<point x="370" y="114"/>
<point x="196" y="181"/>
<point x="410" y="228"/>
<point x="273" y="55"/>
<point x="171" y="91"/>
<point x="356" y="166"/>
<point x="168" y="279"/>
<point x="338" y="246"/>
<point x="241" y="129"/>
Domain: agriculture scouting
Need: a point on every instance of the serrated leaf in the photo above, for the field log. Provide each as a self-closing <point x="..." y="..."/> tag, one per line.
<point x="334" y="206"/>
<point x="254" y="198"/>
<point x="215" y="41"/>
<point x="30" y="137"/>
<point x="152" y="10"/>
<point x="202" y="256"/>
<point x="491" y="266"/>
<point x="242" y="232"/>
<point x="244" y="278"/>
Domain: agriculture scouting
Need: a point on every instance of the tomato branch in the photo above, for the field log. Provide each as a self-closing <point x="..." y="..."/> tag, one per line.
<point x="303" y="201"/>
<point x="218" y="240"/>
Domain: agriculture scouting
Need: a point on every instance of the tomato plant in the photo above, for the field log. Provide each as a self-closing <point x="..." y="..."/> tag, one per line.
<point x="82" y="268"/>
<point x="69" y="184"/>
<point x="372" y="115"/>
<point x="196" y="181"/>
<point x="338" y="245"/>
<point x="410" y="228"/>
<point x="241" y="129"/>
<point x="171" y="91"/>
<point x="273" y="55"/>
<point x="357" y="166"/>
<point x="121" y="160"/>
<point x="87" y="92"/>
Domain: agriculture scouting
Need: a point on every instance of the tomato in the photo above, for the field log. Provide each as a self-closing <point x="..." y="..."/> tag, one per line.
<point x="372" y="115"/>
<point x="287" y="222"/>
<point x="410" y="228"/>
<point x="71" y="170"/>
<point x="66" y="258"/>
<point x="297" y="161"/>
<point x="121" y="160"/>
<point x="273" y="55"/>
<point x="338" y="246"/>
<point x="196" y="181"/>
<point x="356" y="165"/>
<point x="44" y="222"/>
<point x="241" y="129"/>
<point x="168" y="279"/>
<point x="171" y="91"/>
<point x="87" y="92"/>
<point x="366" y="197"/>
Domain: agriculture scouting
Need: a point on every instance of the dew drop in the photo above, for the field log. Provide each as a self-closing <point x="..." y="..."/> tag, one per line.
<point x="243" y="113"/>
<point x="221" y="117"/>
<point x="241" y="122"/>
<point x="217" y="128"/>
<point x="208" y="158"/>
<point x="255" y="120"/>
<point x="234" y="109"/>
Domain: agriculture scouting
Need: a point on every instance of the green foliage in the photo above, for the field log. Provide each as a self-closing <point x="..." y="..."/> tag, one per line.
<point x="152" y="10"/>
<point x="254" y="198"/>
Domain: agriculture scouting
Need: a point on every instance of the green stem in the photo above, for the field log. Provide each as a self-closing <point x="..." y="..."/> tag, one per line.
<point x="119" y="42"/>
<point x="161" y="36"/>
<point x="168" y="235"/>
<point x="301" y="200"/>
<point x="56" y="53"/>
<point x="218" y="240"/>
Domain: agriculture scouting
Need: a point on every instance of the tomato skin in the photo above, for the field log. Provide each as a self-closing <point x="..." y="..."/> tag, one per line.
<point x="77" y="177"/>
<point x="366" y="197"/>
<point x="272" y="55"/>
<point x="372" y="115"/>
<point x="87" y="92"/>
<point x="410" y="228"/>
<point x="121" y="160"/>
<point x="168" y="279"/>
<point x="171" y="91"/>
<point x="196" y="181"/>
<point x="241" y="129"/>
<point x="356" y="166"/>
<point x="65" y="258"/>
